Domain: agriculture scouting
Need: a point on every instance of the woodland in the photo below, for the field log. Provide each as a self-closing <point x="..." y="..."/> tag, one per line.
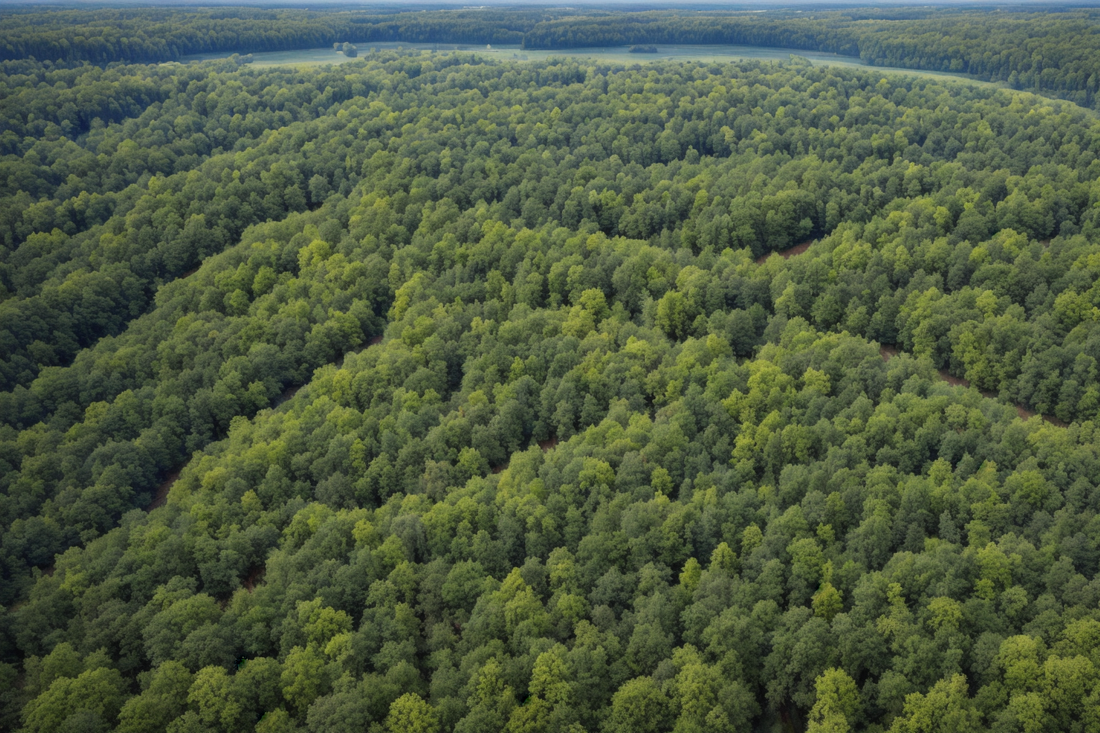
<point x="1055" y="52"/>
<point x="433" y="394"/>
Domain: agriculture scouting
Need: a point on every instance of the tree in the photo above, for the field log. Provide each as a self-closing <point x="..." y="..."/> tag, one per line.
<point x="639" y="705"/>
<point x="946" y="707"/>
<point x="304" y="677"/>
<point x="411" y="714"/>
<point x="211" y="694"/>
<point x="89" y="702"/>
<point x="827" y="602"/>
<point x="276" y="721"/>
<point x="838" y="703"/>
<point x="161" y="703"/>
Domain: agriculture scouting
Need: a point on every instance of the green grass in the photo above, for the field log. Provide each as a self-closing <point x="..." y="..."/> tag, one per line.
<point x="304" y="57"/>
<point x="618" y="54"/>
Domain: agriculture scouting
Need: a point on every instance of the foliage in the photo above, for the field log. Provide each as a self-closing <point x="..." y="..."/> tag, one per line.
<point x="143" y="35"/>
<point x="1050" y="52"/>
<point x="573" y="450"/>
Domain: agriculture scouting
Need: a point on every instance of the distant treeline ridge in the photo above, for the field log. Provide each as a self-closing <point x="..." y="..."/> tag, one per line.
<point x="1054" y="53"/>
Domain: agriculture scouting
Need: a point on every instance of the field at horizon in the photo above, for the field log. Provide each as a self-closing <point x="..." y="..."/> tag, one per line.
<point x="615" y="54"/>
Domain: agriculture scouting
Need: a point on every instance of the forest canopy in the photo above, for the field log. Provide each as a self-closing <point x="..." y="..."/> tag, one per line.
<point x="431" y="393"/>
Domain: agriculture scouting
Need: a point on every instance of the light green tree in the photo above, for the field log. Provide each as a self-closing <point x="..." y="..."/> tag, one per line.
<point x="411" y="714"/>
<point x="639" y="706"/>
<point x="946" y="708"/>
<point x="92" y="700"/>
<point x="838" y="703"/>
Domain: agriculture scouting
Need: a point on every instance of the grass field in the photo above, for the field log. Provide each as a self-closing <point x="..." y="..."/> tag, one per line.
<point x="325" y="55"/>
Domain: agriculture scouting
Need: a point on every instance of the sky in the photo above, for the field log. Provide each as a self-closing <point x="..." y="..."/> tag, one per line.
<point x="618" y="4"/>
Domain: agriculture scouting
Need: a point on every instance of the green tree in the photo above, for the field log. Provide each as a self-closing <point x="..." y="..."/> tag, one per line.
<point x="946" y="707"/>
<point x="90" y="702"/>
<point x="838" y="703"/>
<point x="639" y="705"/>
<point x="162" y="702"/>
<point x="411" y="714"/>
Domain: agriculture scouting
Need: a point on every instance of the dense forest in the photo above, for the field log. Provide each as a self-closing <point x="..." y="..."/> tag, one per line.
<point x="1053" y="53"/>
<point x="164" y="34"/>
<point x="433" y="394"/>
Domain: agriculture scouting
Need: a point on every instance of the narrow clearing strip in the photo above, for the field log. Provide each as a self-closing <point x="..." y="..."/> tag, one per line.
<point x="786" y="253"/>
<point x="889" y="351"/>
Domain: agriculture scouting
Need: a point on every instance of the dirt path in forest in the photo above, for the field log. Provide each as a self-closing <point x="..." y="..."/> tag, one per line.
<point x="286" y="395"/>
<point x="546" y="445"/>
<point x="889" y="351"/>
<point x="254" y="577"/>
<point x="958" y="381"/>
<point x="160" y="498"/>
<point x="786" y="253"/>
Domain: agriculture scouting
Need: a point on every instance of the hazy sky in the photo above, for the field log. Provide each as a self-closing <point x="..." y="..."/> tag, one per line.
<point x="622" y="4"/>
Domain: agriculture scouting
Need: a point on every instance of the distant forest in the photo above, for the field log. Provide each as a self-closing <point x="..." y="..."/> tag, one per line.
<point x="1054" y="53"/>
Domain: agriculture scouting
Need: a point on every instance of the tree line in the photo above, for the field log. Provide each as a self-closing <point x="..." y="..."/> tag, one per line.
<point x="147" y="35"/>
<point x="1052" y="53"/>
